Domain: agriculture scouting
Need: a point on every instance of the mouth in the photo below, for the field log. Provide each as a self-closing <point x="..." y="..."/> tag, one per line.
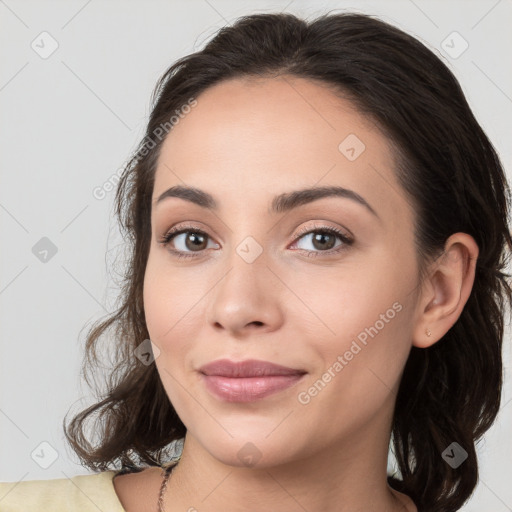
<point x="247" y="381"/>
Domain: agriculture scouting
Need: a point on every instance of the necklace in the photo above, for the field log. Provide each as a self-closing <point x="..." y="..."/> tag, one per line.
<point x="166" y="474"/>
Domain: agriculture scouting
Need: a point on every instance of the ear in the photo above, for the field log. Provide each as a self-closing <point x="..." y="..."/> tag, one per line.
<point x="446" y="290"/>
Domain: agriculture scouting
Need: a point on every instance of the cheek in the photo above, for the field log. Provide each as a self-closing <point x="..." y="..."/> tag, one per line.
<point x="169" y="296"/>
<point x="168" y="307"/>
<point x="342" y="304"/>
<point x="155" y="302"/>
<point x="366" y="317"/>
<point x="363" y="312"/>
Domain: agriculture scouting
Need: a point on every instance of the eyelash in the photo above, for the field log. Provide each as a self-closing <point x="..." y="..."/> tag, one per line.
<point x="178" y="230"/>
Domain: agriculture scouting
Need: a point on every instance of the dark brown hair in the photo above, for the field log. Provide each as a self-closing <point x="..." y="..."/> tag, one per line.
<point x="448" y="168"/>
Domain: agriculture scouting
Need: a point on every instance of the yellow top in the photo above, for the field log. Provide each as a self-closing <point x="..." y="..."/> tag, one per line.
<point x="82" y="493"/>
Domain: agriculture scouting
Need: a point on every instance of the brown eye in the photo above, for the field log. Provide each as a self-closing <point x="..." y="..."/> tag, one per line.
<point x="322" y="240"/>
<point x="195" y="241"/>
<point x="185" y="241"/>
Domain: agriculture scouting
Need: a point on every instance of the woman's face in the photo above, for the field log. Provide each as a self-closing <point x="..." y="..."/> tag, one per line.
<point x="265" y="279"/>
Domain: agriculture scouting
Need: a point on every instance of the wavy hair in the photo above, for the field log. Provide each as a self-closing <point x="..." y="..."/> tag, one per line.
<point x="448" y="168"/>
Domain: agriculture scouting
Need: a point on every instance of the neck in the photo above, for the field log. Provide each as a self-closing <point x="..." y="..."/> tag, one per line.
<point x="349" y="477"/>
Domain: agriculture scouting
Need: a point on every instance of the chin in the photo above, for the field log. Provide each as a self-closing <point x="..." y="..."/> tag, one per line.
<point x="252" y="447"/>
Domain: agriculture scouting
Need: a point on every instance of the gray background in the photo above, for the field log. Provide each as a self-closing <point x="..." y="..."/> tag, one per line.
<point x="69" y="122"/>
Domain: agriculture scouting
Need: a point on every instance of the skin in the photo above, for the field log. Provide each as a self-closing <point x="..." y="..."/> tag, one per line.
<point x="245" y="142"/>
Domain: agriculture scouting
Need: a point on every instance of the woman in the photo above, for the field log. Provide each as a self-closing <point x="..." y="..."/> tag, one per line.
<point x="319" y="231"/>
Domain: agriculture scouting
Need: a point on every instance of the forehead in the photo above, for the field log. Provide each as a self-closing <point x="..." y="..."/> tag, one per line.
<point x="259" y="137"/>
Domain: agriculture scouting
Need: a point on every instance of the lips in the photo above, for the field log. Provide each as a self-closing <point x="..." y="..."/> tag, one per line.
<point x="247" y="381"/>
<point x="248" y="368"/>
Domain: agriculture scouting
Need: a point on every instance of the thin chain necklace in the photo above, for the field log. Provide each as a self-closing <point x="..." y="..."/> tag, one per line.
<point x="166" y="474"/>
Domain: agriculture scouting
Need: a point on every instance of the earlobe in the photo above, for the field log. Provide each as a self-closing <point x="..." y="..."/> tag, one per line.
<point x="447" y="290"/>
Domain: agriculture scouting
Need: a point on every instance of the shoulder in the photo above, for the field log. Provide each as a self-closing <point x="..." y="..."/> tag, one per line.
<point x="83" y="493"/>
<point x="138" y="491"/>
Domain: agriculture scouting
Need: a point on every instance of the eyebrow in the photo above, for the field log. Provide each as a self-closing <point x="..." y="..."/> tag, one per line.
<point x="281" y="203"/>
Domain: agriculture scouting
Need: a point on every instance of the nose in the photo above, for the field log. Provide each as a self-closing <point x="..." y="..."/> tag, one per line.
<point x="246" y="299"/>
